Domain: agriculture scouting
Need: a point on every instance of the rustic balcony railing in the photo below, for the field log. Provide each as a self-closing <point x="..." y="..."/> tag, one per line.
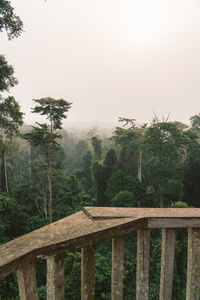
<point x="93" y="225"/>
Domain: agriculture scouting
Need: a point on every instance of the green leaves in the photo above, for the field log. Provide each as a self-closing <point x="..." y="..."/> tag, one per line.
<point x="9" y="21"/>
<point x="97" y="145"/>
<point x="7" y="80"/>
<point x="41" y="135"/>
<point x="53" y="109"/>
<point x="124" y="199"/>
<point x="195" y="121"/>
<point x="10" y="115"/>
<point x="163" y="147"/>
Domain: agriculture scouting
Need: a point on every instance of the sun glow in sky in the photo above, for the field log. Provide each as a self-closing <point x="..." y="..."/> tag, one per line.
<point x="111" y="58"/>
<point x="142" y="22"/>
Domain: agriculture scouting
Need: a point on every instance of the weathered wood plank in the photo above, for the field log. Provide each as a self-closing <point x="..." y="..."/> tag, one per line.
<point x="26" y="278"/>
<point x="167" y="263"/>
<point x="173" y="222"/>
<point x="68" y="234"/>
<point x="193" y="267"/>
<point x="117" y="268"/>
<point x="141" y="212"/>
<point x="142" y="278"/>
<point x="88" y="272"/>
<point x="78" y="231"/>
<point x="55" y="277"/>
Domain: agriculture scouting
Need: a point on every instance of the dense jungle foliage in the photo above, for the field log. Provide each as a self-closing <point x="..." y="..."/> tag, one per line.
<point x="46" y="173"/>
<point x="155" y="165"/>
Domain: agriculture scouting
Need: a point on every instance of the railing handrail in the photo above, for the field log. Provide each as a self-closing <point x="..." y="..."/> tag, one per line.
<point x="92" y="225"/>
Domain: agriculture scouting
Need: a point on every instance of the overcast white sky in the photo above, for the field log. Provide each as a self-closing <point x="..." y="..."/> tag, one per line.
<point x="111" y="58"/>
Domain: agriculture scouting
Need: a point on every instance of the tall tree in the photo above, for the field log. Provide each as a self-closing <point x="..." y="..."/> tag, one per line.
<point x="87" y="164"/>
<point x="101" y="174"/>
<point x="195" y="122"/>
<point x="164" y="148"/>
<point x="130" y="139"/>
<point x="97" y="145"/>
<point x="10" y="115"/>
<point x="46" y="134"/>
<point x="191" y="173"/>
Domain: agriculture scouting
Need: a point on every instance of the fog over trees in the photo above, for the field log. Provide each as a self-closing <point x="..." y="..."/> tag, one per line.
<point x="47" y="173"/>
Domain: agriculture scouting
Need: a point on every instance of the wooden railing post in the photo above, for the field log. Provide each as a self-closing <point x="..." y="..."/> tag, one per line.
<point x="55" y="277"/>
<point x="26" y="278"/>
<point x="142" y="278"/>
<point x="88" y="272"/>
<point x="117" y="268"/>
<point x="167" y="263"/>
<point x="193" y="267"/>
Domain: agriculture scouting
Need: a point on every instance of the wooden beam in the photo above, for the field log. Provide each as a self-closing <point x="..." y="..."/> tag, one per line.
<point x="167" y="263"/>
<point x="117" y="268"/>
<point x="173" y="222"/>
<point x="90" y="232"/>
<point x="193" y="267"/>
<point x="88" y="272"/>
<point x="55" y="277"/>
<point x="142" y="278"/>
<point x="26" y="278"/>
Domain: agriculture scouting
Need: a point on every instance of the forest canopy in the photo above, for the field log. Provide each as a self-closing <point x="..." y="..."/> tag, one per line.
<point x="47" y="173"/>
<point x="151" y="165"/>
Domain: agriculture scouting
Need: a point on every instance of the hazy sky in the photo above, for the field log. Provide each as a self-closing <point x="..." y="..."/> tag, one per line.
<point x="111" y="58"/>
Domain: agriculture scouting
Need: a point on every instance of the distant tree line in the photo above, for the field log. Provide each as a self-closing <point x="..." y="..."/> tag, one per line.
<point x="46" y="173"/>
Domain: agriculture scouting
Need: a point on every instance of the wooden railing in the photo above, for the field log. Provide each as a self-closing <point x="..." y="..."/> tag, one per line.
<point x="93" y="225"/>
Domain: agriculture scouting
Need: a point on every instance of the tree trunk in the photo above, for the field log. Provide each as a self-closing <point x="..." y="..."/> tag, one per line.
<point x="161" y="195"/>
<point x="49" y="183"/>
<point x="5" y="172"/>
<point x="45" y="206"/>
<point x="140" y="166"/>
<point x="29" y="163"/>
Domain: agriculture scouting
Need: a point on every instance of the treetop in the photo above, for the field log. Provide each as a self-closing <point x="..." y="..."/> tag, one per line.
<point x="54" y="110"/>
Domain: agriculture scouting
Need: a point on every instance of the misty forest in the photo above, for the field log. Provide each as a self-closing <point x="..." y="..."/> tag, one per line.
<point x="48" y="172"/>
